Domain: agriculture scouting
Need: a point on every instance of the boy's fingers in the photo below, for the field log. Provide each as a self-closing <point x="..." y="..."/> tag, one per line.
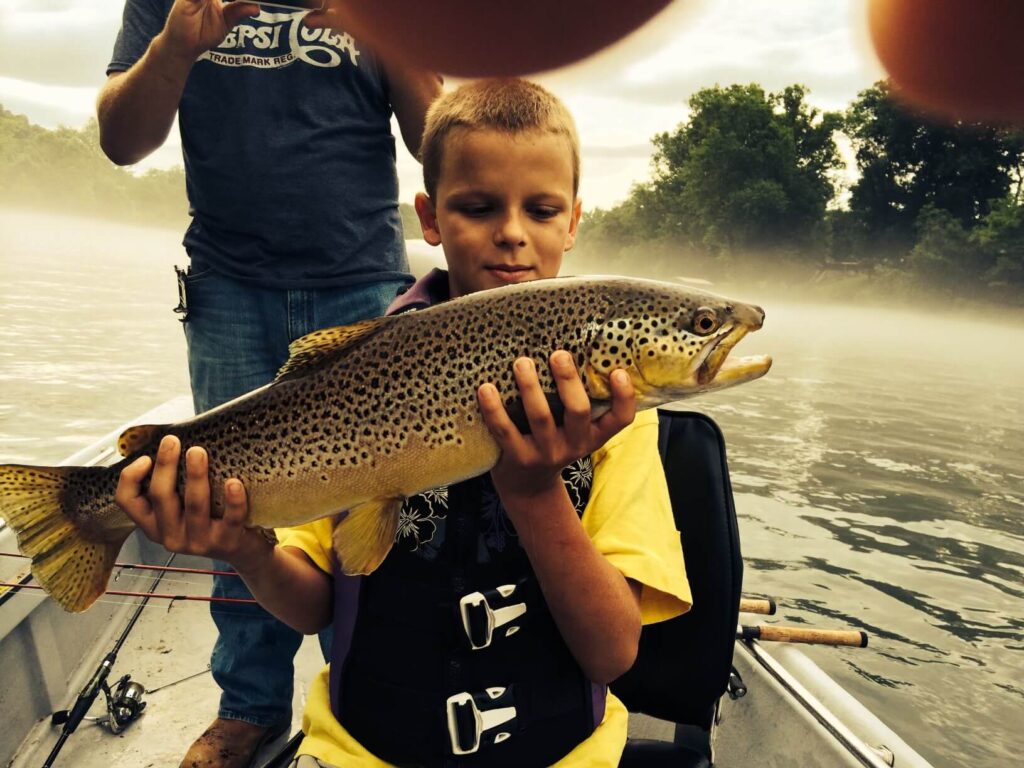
<point x="495" y="416"/>
<point x="236" y="503"/>
<point x="623" y="408"/>
<point x="163" y="484"/>
<point x="573" y="395"/>
<point x="163" y="493"/>
<point x="197" y="495"/>
<point x="535" y="404"/>
<point x="131" y="498"/>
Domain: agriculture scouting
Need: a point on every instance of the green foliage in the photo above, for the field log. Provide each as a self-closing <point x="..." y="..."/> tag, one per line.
<point x="748" y="170"/>
<point x="750" y="178"/>
<point x="66" y="170"/>
<point x="909" y="163"/>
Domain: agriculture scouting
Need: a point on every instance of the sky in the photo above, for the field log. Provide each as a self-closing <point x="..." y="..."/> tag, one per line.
<point x="53" y="55"/>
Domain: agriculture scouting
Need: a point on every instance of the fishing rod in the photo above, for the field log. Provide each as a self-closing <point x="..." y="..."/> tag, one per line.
<point x="766" y="606"/>
<point x="142" y="567"/>
<point x="854" y="638"/>
<point x="761" y="605"/>
<point x="15" y="586"/>
<point x="124" y="704"/>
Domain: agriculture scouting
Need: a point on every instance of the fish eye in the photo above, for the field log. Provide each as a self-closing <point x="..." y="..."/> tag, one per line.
<point x="705" y="321"/>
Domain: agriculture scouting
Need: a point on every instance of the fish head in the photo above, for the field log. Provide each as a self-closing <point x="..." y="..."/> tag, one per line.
<point x="675" y="342"/>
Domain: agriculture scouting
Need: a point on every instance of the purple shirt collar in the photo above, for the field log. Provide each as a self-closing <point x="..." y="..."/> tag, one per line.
<point x="430" y="289"/>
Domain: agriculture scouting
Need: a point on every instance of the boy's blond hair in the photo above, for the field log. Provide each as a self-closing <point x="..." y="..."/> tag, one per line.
<point x="510" y="105"/>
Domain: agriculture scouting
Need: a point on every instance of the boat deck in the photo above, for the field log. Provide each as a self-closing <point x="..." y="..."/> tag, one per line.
<point x="171" y="641"/>
<point x="793" y="713"/>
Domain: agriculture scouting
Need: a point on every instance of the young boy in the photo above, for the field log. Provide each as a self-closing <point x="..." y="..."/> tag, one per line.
<point x="509" y="602"/>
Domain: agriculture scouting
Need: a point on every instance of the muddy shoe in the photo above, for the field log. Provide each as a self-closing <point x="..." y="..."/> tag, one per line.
<point x="229" y="744"/>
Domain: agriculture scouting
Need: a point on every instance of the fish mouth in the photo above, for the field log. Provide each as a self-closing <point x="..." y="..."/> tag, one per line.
<point x="719" y="370"/>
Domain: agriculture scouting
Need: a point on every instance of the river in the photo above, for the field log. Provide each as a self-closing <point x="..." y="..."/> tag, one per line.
<point x="878" y="468"/>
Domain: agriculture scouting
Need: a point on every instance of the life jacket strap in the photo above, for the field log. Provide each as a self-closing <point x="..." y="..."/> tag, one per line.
<point x="474" y="719"/>
<point x="483" y="612"/>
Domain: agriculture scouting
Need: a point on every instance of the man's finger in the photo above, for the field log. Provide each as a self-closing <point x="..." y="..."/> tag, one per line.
<point x="235" y="12"/>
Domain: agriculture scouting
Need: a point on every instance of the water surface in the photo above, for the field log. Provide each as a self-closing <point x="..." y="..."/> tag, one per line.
<point x="878" y="469"/>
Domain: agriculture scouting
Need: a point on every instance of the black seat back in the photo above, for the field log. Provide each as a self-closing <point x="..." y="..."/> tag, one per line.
<point x="683" y="664"/>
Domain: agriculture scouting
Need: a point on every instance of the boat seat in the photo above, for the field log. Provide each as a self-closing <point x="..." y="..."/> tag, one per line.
<point x="648" y="753"/>
<point x="683" y="665"/>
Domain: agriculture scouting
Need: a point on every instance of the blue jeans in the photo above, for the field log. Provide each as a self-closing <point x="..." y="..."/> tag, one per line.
<point x="238" y="337"/>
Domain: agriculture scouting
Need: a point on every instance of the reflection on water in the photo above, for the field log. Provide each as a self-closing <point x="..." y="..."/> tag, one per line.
<point x="878" y="468"/>
<point x="879" y="471"/>
<point x="87" y="336"/>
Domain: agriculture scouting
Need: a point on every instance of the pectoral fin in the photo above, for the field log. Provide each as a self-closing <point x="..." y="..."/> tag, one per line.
<point x="365" y="534"/>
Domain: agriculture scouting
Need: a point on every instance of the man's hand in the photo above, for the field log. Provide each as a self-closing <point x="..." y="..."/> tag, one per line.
<point x="189" y="527"/>
<point x="531" y="465"/>
<point x="195" y="26"/>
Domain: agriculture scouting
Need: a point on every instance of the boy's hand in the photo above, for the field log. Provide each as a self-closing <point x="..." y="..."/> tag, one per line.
<point x="531" y="465"/>
<point x="188" y="528"/>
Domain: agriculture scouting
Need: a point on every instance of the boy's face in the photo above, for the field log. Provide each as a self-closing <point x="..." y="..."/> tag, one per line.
<point x="504" y="210"/>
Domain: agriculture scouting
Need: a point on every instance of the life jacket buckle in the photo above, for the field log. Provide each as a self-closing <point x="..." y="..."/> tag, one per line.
<point x="472" y="716"/>
<point x="480" y="619"/>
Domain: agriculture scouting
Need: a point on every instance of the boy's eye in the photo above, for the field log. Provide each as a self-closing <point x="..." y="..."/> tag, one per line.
<point x="475" y="210"/>
<point x="544" y="211"/>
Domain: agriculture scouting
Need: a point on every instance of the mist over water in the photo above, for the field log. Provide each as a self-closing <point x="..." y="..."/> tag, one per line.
<point x="878" y="468"/>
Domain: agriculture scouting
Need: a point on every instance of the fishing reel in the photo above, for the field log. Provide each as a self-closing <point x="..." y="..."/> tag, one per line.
<point x="124" y="706"/>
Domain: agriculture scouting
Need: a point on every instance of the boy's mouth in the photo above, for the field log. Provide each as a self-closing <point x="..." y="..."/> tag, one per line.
<point x="511" y="273"/>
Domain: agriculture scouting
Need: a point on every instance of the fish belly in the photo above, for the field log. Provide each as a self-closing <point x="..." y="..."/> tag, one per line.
<point x="415" y="468"/>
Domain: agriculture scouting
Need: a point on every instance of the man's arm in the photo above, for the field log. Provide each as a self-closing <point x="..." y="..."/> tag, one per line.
<point x="596" y="609"/>
<point x="136" y="109"/>
<point x="411" y="92"/>
<point x="274" y="575"/>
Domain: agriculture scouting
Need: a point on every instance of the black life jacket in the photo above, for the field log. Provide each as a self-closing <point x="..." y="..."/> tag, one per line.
<point x="406" y="680"/>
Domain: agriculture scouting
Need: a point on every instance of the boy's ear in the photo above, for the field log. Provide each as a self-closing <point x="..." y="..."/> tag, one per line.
<point x="574" y="223"/>
<point x="428" y="218"/>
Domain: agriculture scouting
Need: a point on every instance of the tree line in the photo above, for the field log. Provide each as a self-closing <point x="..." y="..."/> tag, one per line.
<point x="65" y="170"/>
<point x="753" y="185"/>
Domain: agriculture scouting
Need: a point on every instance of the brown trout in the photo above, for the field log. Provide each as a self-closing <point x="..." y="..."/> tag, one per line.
<point x="363" y="416"/>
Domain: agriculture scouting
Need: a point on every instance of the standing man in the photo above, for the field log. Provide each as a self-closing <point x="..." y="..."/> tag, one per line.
<point x="291" y="180"/>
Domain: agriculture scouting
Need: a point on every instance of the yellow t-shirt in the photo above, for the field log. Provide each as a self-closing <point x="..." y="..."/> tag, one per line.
<point x="629" y="519"/>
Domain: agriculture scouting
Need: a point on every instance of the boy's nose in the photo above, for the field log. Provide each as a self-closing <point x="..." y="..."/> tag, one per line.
<point x="510" y="231"/>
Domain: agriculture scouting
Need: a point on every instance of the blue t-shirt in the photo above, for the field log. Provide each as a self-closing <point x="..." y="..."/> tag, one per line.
<point x="289" y="156"/>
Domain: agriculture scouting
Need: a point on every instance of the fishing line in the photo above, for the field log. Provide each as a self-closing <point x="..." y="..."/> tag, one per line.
<point x="149" y="595"/>
<point x="241" y="611"/>
<point x="143" y="567"/>
<point x="124" y="705"/>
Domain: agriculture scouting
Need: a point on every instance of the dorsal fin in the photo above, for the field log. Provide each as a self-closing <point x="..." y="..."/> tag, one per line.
<point x="319" y="347"/>
<point x="136" y="438"/>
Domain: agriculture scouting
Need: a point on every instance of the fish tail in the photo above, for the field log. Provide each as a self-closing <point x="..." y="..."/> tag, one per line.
<point x="66" y="520"/>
